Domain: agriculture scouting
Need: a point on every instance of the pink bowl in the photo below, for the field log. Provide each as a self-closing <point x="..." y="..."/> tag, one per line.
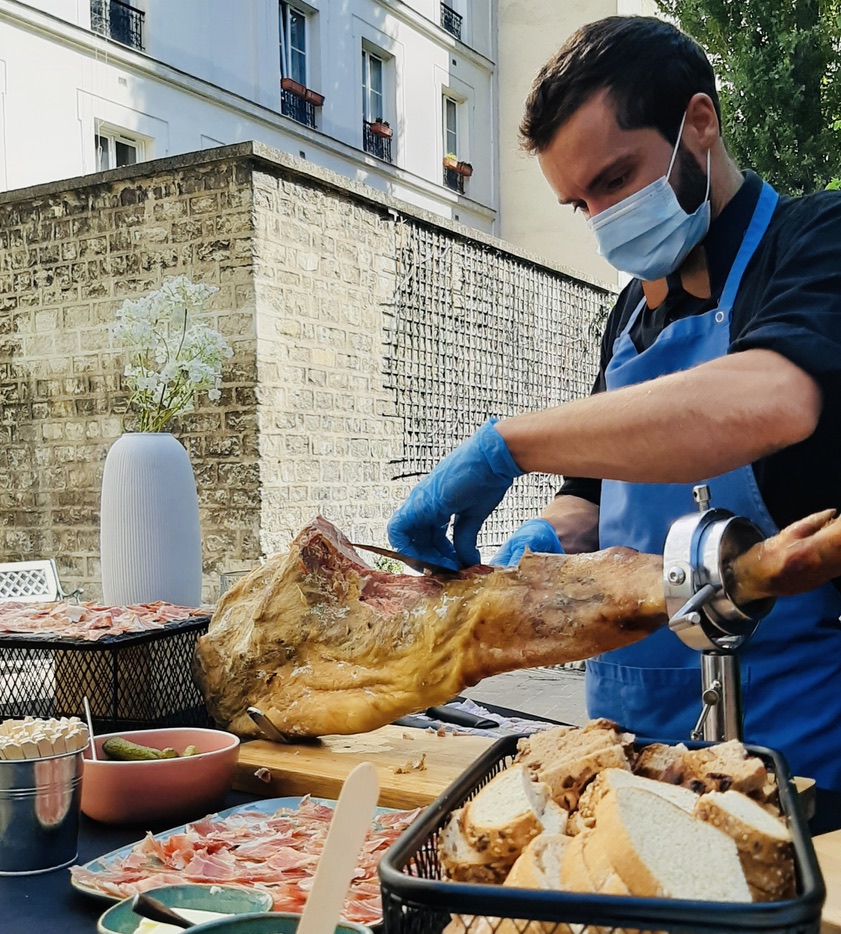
<point x="160" y="789"/>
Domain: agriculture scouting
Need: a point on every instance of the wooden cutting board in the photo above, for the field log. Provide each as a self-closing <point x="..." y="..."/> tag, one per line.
<point x="828" y="850"/>
<point x="320" y="768"/>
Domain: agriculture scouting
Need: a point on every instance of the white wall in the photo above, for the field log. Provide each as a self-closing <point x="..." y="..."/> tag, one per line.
<point x="210" y="74"/>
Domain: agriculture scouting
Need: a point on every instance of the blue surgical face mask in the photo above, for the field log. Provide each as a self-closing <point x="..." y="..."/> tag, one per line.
<point x="648" y="234"/>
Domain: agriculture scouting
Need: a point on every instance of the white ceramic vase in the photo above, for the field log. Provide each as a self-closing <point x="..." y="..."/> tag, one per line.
<point x="150" y="539"/>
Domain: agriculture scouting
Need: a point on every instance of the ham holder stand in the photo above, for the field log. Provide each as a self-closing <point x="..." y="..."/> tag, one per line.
<point x="698" y="548"/>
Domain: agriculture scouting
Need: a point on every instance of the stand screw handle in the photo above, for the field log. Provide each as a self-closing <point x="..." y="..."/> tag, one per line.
<point x="711" y="697"/>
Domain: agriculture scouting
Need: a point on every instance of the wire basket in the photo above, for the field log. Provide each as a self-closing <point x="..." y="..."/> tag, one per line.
<point x="416" y="900"/>
<point x="132" y="681"/>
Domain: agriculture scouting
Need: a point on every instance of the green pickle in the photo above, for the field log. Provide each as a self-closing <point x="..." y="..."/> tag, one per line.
<point x="124" y="750"/>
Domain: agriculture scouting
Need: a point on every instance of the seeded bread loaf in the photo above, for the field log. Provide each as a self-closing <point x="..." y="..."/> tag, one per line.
<point x="505" y="814"/>
<point x="763" y="841"/>
<point x="462" y="862"/>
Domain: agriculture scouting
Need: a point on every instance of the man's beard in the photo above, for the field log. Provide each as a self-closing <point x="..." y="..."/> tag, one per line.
<point x="691" y="188"/>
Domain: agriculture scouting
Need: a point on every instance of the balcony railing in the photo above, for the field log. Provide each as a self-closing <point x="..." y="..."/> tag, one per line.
<point x="454" y="180"/>
<point x="375" y="144"/>
<point x="298" y="109"/>
<point x="119" y="21"/>
<point x="451" y="21"/>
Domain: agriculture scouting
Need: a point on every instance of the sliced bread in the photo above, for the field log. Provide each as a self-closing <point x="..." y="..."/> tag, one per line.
<point x="722" y="767"/>
<point x="658" y="849"/>
<point x="567" y="759"/>
<point x="764" y="842"/>
<point x="505" y="814"/>
<point x="539" y="865"/>
<point x="615" y="778"/>
<point x="658" y="760"/>
<point x="462" y="862"/>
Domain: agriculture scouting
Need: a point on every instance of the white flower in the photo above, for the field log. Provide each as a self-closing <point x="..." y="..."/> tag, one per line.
<point x="169" y="362"/>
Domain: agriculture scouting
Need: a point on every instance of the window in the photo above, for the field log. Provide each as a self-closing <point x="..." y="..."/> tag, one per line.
<point x="372" y="87"/>
<point x="450" y="109"/>
<point x="376" y="135"/>
<point x="450" y="20"/>
<point x="119" y="21"/>
<point x="297" y="100"/>
<point x="113" y="150"/>
<point x="293" y="43"/>
<point x="450" y="126"/>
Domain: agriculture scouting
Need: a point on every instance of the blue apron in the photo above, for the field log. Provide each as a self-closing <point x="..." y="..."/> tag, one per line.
<point x="791" y="668"/>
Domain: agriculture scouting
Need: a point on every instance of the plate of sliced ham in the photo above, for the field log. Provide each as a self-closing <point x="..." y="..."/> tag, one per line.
<point x="273" y="845"/>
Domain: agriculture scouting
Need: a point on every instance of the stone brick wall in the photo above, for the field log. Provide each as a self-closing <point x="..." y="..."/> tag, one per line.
<point x="69" y="254"/>
<point x="324" y="268"/>
<point x="311" y="279"/>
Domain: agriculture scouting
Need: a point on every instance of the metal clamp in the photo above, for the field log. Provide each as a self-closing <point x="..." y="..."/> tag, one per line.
<point x="698" y="549"/>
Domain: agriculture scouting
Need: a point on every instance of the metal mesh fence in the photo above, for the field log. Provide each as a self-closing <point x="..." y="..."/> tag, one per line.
<point x="474" y="333"/>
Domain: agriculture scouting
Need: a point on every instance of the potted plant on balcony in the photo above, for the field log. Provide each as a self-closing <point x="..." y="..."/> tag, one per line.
<point x="451" y="162"/>
<point x="294" y="87"/>
<point x="380" y="127"/>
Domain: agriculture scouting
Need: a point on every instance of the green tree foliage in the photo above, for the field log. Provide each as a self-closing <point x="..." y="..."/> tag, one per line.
<point x="777" y="63"/>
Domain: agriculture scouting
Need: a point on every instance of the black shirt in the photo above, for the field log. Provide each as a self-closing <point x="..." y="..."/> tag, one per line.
<point x="789" y="301"/>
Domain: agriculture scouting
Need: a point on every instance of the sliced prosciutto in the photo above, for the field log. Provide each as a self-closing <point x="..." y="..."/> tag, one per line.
<point x="276" y="852"/>
<point x="90" y="621"/>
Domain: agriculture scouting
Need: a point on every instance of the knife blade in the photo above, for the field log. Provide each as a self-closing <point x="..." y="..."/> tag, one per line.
<point x="417" y="564"/>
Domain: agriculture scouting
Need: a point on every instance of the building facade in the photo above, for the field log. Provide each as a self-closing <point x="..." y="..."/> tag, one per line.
<point x="380" y="91"/>
<point x="530" y="32"/>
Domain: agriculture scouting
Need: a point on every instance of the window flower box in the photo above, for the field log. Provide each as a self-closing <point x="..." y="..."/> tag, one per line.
<point x="294" y="87"/>
<point x="452" y="163"/>
<point x="313" y="97"/>
<point x="381" y="128"/>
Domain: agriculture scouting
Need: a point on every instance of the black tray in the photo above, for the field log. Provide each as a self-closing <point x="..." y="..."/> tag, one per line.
<point x="134" y="680"/>
<point x="417" y="901"/>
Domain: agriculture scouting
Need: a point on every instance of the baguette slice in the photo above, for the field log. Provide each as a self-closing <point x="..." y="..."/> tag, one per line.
<point x="505" y="814"/>
<point x="609" y="779"/>
<point x="462" y="862"/>
<point x="659" y="850"/>
<point x="763" y="841"/>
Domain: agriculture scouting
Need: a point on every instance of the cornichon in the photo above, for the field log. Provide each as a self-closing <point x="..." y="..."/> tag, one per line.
<point x="124" y="750"/>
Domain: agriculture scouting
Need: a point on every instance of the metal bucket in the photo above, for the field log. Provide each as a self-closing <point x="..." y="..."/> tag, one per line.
<point x="39" y="813"/>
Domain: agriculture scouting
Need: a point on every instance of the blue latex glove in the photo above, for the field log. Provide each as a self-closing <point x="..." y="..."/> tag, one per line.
<point x="536" y="535"/>
<point x="466" y="485"/>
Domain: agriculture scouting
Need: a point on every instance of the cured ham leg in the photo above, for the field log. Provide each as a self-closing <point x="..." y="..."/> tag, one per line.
<point x="322" y="643"/>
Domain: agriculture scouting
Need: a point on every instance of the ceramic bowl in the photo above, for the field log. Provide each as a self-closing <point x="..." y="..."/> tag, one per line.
<point x="269" y="922"/>
<point x="160" y="790"/>
<point x="225" y="899"/>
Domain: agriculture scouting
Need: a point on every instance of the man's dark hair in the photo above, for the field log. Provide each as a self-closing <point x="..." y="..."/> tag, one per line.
<point x="650" y="69"/>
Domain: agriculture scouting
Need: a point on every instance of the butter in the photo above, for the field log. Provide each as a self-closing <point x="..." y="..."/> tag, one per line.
<point x="196" y="915"/>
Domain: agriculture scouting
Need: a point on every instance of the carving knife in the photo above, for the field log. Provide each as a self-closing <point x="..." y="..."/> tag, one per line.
<point x="417" y="564"/>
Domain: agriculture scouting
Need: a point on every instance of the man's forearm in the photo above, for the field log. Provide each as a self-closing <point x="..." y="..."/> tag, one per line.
<point x="675" y="429"/>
